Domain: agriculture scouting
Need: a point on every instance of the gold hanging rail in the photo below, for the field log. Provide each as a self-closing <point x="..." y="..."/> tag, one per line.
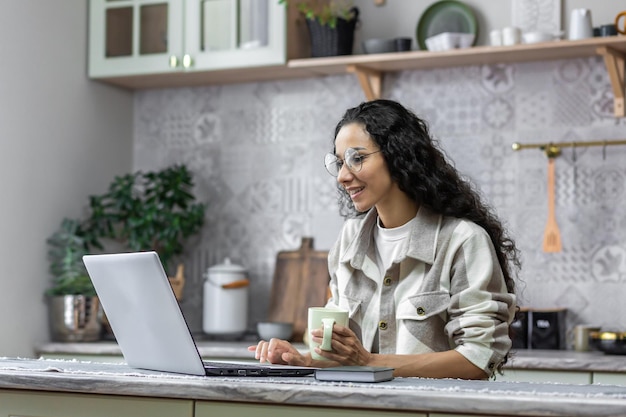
<point x="554" y="149"/>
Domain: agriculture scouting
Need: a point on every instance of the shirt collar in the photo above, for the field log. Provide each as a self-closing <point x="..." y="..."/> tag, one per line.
<point x="422" y="237"/>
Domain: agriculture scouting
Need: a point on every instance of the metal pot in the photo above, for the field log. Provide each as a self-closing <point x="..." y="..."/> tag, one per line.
<point x="225" y="311"/>
<point x="613" y="343"/>
<point x="74" y="318"/>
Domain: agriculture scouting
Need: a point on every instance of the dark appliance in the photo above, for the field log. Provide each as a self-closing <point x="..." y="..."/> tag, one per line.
<point x="539" y="329"/>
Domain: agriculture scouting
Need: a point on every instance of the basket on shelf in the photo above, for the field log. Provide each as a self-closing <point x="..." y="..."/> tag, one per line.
<point x="332" y="41"/>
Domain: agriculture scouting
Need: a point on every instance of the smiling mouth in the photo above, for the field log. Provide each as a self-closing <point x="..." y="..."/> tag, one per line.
<point x="355" y="191"/>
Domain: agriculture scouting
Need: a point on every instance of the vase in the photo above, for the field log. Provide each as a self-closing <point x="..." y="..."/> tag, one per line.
<point x="328" y="41"/>
<point x="74" y="318"/>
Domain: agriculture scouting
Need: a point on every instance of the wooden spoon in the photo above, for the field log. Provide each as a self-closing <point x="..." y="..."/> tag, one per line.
<point x="551" y="235"/>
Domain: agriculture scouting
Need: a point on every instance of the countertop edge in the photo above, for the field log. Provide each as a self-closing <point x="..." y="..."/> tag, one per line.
<point x="501" y="398"/>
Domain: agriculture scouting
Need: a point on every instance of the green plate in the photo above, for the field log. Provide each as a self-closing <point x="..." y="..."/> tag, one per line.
<point x="446" y="16"/>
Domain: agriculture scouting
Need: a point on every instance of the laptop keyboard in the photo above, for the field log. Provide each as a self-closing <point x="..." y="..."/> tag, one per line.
<point x="227" y="365"/>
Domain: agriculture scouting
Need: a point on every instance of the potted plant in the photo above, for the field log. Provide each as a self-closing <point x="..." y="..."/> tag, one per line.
<point x="331" y="25"/>
<point x="74" y="309"/>
<point x="147" y="211"/>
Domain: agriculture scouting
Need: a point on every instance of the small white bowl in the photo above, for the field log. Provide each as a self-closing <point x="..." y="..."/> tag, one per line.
<point x="449" y="40"/>
<point x="537" y="37"/>
<point x="274" y="329"/>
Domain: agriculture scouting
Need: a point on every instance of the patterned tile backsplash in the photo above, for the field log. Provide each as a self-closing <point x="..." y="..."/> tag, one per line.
<point x="256" y="151"/>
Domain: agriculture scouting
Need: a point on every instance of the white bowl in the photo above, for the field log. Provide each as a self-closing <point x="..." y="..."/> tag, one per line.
<point x="537" y="37"/>
<point x="274" y="329"/>
<point x="449" y="40"/>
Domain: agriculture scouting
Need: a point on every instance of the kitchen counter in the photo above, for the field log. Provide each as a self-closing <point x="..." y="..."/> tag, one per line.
<point x="400" y="395"/>
<point x="549" y="360"/>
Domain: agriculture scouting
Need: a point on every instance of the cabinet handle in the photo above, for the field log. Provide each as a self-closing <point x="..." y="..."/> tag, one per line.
<point x="187" y="61"/>
<point x="174" y="61"/>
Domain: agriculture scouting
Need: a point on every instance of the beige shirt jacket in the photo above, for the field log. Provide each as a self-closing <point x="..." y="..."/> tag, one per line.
<point x="445" y="291"/>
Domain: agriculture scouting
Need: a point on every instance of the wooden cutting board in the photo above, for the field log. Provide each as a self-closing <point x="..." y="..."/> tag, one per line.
<point x="300" y="281"/>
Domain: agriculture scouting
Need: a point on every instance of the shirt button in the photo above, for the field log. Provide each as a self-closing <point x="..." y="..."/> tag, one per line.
<point x="382" y="325"/>
<point x="421" y="311"/>
<point x="387" y="281"/>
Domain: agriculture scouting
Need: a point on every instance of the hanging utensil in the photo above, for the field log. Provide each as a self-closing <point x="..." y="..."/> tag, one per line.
<point x="552" y="235"/>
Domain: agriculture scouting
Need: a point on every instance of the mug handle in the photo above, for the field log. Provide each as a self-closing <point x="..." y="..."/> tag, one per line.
<point x="328" y="323"/>
<point x="617" y="19"/>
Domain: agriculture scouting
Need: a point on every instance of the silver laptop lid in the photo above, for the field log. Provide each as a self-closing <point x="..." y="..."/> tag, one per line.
<point x="143" y="312"/>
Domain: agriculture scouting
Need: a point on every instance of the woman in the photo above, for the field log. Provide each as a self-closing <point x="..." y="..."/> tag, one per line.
<point x="422" y="265"/>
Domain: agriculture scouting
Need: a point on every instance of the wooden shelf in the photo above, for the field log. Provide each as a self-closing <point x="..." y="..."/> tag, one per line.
<point x="371" y="68"/>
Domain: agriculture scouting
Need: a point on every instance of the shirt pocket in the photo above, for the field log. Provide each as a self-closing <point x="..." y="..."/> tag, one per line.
<point x="423" y="306"/>
<point x="353" y="305"/>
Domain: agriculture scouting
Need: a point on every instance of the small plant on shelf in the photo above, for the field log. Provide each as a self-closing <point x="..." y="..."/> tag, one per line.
<point x="325" y="12"/>
<point x="331" y="25"/>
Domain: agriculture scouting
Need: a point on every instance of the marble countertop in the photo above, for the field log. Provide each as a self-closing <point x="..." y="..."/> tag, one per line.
<point x="557" y="360"/>
<point x="400" y="394"/>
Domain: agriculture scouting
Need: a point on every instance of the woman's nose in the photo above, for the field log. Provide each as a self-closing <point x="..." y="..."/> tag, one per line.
<point x="344" y="174"/>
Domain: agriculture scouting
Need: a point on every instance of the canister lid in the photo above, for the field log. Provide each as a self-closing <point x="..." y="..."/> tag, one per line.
<point x="227" y="266"/>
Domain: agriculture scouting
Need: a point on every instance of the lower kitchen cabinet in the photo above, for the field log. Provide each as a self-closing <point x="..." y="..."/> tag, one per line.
<point x="609" y="378"/>
<point x="566" y="377"/>
<point x="219" y="409"/>
<point x="45" y="404"/>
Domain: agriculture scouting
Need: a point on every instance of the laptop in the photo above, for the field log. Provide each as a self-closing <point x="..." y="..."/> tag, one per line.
<point x="149" y="325"/>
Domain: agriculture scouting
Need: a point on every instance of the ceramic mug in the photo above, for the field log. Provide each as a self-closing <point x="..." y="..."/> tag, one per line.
<point x="511" y="35"/>
<point x="619" y="16"/>
<point x="326" y="318"/>
<point x="495" y="37"/>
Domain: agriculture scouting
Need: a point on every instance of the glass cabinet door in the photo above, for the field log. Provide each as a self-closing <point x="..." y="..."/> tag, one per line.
<point x="221" y="34"/>
<point x="134" y="36"/>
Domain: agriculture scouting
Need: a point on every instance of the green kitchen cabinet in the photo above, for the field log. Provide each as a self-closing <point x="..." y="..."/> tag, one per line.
<point x="566" y="377"/>
<point x="218" y="409"/>
<point x="609" y="378"/>
<point x="15" y="403"/>
<point x="142" y="37"/>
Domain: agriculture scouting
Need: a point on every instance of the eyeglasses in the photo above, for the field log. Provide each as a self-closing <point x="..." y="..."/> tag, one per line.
<point x="351" y="157"/>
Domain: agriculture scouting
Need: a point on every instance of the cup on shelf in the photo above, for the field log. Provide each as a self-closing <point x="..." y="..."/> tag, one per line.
<point x="511" y="35"/>
<point x="618" y="18"/>
<point x="607" y="30"/>
<point x="403" y="44"/>
<point x="495" y="37"/>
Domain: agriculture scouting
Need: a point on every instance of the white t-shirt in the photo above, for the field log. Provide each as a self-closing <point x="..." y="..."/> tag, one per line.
<point x="390" y="243"/>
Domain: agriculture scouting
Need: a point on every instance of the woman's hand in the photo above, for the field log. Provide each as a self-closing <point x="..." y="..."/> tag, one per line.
<point x="346" y="346"/>
<point x="279" y="351"/>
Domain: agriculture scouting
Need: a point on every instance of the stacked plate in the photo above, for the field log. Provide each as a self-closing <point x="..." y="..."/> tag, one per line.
<point x="447" y="16"/>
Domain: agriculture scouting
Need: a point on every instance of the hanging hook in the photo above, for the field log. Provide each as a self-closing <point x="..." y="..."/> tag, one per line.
<point x="552" y="151"/>
<point x="604" y="150"/>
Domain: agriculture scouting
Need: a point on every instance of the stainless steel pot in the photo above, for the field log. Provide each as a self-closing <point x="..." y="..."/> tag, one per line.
<point x="225" y="311"/>
<point x="610" y="342"/>
<point x="74" y="318"/>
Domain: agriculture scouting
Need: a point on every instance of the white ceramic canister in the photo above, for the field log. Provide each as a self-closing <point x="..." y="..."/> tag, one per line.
<point x="225" y="311"/>
<point x="580" y="26"/>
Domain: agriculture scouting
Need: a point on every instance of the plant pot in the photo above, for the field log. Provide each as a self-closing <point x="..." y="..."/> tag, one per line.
<point x="327" y="41"/>
<point x="74" y="318"/>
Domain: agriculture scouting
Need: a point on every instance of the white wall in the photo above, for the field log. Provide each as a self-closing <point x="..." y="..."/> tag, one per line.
<point x="62" y="137"/>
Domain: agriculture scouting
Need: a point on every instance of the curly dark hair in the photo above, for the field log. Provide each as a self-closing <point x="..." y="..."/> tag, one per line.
<point x="422" y="171"/>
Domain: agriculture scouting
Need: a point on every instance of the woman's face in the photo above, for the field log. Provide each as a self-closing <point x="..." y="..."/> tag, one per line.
<point x="372" y="185"/>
